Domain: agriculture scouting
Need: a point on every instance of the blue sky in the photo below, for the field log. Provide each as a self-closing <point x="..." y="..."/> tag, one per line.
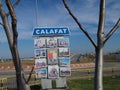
<point x="51" y="13"/>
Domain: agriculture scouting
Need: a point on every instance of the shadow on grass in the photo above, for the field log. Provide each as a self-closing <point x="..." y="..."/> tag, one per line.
<point x="36" y="87"/>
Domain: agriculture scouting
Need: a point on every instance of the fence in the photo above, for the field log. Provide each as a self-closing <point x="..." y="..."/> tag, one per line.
<point x="3" y="83"/>
<point x="81" y="73"/>
<point x="10" y="83"/>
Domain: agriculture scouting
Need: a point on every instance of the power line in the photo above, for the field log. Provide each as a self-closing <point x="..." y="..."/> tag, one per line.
<point x="36" y="13"/>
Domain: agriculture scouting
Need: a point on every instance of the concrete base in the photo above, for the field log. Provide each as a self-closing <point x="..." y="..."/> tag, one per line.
<point x="61" y="82"/>
<point x="46" y="83"/>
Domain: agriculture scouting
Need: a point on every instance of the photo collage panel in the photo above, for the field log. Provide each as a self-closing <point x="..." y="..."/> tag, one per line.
<point x="41" y="73"/>
<point x="51" y="53"/>
<point x="39" y="63"/>
<point x="52" y="56"/>
<point x="53" y="71"/>
<point x="62" y="42"/>
<point x="40" y="43"/>
<point x="65" y="71"/>
<point x="40" y="53"/>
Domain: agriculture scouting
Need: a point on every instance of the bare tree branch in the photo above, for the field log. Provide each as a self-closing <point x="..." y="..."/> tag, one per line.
<point x="98" y="78"/>
<point x="30" y="74"/>
<point x="15" y="33"/>
<point x="101" y="25"/>
<point x="16" y="58"/>
<point x="14" y="5"/>
<point x="79" y="24"/>
<point x="112" y="30"/>
<point x="1" y="23"/>
<point x="14" y="21"/>
<point x="12" y="35"/>
<point x="6" y="25"/>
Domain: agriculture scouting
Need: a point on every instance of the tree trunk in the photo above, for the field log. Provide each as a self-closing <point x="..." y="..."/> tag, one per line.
<point x="21" y="84"/>
<point x="98" y="69"/>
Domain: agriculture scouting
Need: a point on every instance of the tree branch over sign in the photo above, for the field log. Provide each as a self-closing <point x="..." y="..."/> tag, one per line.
<point x="14" y="5"/>
<point x="1" y="23"/>
<point x="101" y="39"/>
<point x="116" y="26"/>
<point x="79" y="24"/>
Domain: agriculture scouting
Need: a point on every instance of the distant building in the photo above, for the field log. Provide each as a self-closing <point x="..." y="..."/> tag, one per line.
<point x="117" y="55"/>
<point x="1" y="60"/>
<point x="27" y="58"/>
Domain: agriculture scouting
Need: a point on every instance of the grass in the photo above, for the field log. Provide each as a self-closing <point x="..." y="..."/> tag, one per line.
<point x="80" y="84"/>
<point x="112" y="83"/>
<point x="109" y="83"/>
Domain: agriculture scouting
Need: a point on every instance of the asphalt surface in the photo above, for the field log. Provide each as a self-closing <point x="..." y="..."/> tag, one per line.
<point x="111" y="69"/>
<point x="111" y="64"/>
<point x="11" y="73"/>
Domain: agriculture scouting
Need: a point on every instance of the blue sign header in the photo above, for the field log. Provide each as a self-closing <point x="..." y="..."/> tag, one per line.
<point x="50" y="31"/>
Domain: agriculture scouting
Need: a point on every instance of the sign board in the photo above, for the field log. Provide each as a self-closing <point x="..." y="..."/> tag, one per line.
<point x="50" y="31"/>
<point x="52" y="55"/>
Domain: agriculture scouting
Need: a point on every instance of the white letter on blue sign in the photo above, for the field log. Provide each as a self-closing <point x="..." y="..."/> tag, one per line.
<point x="51" y="31"/>
<point x="56" y="30"/>
<point x="42" y="32"/>
<point x="60" y="31"/>
<point x="64" y="30"/>
<point x="37" y="32"/>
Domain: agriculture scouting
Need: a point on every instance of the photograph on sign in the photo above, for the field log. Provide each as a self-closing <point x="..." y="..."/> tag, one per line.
<point x="39" y="43"/>
<point x="41" y="62"/>
<point x="40" y="53"/>
<point x="53" y="71"/>
<point x="41" y="73"/>
<point x="65" y="71"/>
<point x="63" y="52"/>
<point x="52" y="56"/>
<point x="64" y="61"/>
<point x="51" y="42"/>
<point x="63" y="42"/>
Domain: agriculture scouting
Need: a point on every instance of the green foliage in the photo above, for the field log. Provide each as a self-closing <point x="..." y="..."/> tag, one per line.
<point x="112" y="83"/>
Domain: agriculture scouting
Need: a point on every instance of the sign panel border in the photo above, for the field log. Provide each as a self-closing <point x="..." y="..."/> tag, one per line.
<point x="47" y="32"/>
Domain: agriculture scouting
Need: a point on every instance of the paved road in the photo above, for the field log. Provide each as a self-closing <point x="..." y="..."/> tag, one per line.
<point x="111" y="64"/>
<point x="11" y="73"/>
<point x="76" y="73"/>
